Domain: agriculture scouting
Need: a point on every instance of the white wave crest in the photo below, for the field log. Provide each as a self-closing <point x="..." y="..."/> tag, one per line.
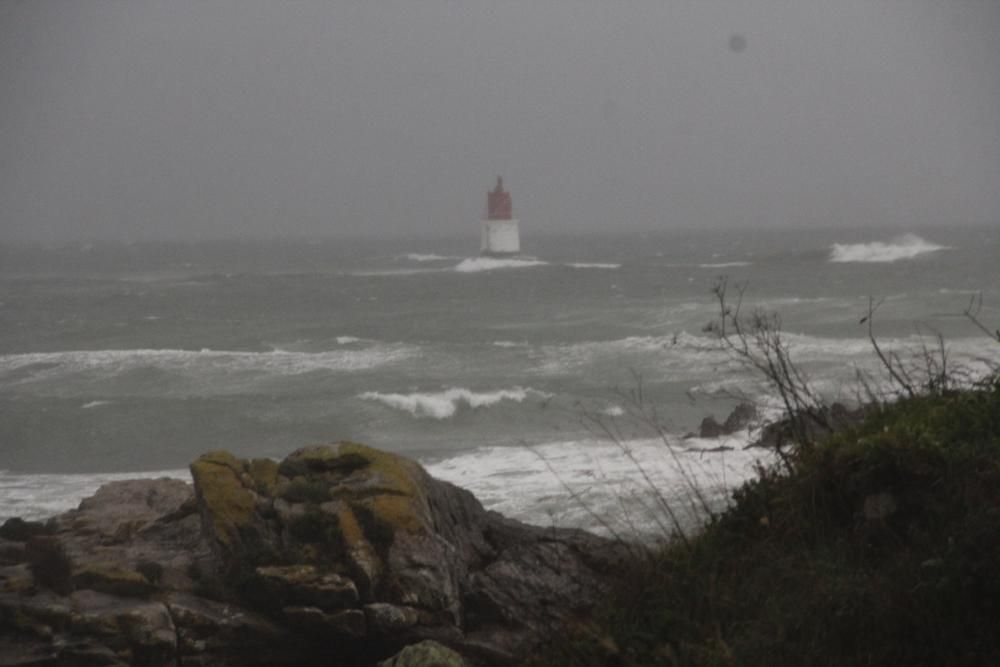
<point x="444" y="404"/>
<point x="94" y="404"/>
<point x="347" y="340"/>
<point x="907" y="246"/>
<point x="594" y="265"/>
<point x="428" y="257"/>
<point x="478" y="264"/>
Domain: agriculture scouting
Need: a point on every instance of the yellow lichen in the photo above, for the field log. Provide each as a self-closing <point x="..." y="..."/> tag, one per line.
<point x="349" y="527"/>
<point x="110" y="578"/>
<point x="228" y="502"/>
<point x="402" y="505"/>
<point x="399" y="513"/>
<point x="264" y="473"/>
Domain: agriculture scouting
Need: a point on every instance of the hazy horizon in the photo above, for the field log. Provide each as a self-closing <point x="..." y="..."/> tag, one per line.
<point x="190" y="120"/>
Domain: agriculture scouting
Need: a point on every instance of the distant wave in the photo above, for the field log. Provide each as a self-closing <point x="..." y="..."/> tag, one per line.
<point x="347" y="340"/>
<point x="594" y="265"/>
<point x="722" y="265"/>
<point x="907" y="246"/>
<point x="379" y="273"/>
<point x="94" y="404"/>
<point x="478" y="264"/>
<point x="444" y="404"/>
<point x="429" y="257"/>
<point x="507" y="343"/>
<point x="55" y="364"/>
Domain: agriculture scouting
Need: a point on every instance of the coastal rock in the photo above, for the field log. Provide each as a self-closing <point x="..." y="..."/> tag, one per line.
<point x="367" y="545"/>
<point x="710" y="428"/>
<point x="338" y="550"/>
<point x="743" y="415"/>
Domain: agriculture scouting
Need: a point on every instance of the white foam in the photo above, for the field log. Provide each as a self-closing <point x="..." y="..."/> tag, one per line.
<point x="36" y="497"/>
<point x="594" y="265"/>
<point x="907" y="246"/>
<point x="347" y="340"/>
<point x="479" y="264"/>
<point x="379" y="273"/>
<point x="57" y="364"/>
<point x="94" y="404"/>
<point x="600" y="485"/>
<point x="444" y="404"/>
<point x="507" y="344"/>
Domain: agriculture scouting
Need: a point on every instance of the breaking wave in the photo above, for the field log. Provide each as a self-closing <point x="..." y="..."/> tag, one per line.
<point x="595" y="479"/>
<point x="478" y="264"/>
<point x="444" y="404"/>
<point x="907" y="246"/>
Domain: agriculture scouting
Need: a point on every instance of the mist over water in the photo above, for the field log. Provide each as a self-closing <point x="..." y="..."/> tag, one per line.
<point x="122" y="358"/>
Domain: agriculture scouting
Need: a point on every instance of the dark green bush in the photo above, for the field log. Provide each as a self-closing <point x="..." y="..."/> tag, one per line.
<point x="876" y="546"/>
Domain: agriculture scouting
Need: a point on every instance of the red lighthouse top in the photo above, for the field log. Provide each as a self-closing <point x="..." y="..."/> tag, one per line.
<point x="498" y="204"/>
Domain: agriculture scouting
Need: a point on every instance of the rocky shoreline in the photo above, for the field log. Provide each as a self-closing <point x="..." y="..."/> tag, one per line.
<point x="339" y="554"/>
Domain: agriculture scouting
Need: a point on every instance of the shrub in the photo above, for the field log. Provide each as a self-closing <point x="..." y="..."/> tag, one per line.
<point x="19" y="530"/>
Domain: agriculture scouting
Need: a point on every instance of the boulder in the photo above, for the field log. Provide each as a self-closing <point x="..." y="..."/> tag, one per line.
<point x="365" y="545"/>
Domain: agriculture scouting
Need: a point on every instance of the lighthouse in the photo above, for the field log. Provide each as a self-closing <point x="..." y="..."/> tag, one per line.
<point x="500" y="231"/>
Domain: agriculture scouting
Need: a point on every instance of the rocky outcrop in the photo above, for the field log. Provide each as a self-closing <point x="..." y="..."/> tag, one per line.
<point x="742" y="416"/>
<point x="339" y="549"/>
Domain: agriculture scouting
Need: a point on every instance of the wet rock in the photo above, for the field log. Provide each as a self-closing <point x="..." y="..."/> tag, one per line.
<point x="112" y="579"/>
<point x="304" y="584"/>
<point x="217" y="632"/>
<point x="144" y="629"/>
<point x="390" y="619"/>
<point x="427" y="653"/>
<point x="710" y="428"/>
<point x="313" y="620"/>
<point x="742" y="416"/>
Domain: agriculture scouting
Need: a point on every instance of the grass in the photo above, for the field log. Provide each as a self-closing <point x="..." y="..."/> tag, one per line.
<point x="877" y="545"/>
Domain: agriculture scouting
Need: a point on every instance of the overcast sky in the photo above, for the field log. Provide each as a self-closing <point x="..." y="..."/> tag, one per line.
<point x="193" y="118"/>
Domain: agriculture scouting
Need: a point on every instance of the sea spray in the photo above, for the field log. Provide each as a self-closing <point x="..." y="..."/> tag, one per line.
<point x="907" y="246"/>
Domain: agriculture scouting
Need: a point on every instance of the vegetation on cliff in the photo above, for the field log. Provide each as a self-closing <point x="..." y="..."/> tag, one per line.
<point x="874" y="542"/>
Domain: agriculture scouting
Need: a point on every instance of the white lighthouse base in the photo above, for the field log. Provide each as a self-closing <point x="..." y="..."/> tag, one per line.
<point x="500" y="238"/>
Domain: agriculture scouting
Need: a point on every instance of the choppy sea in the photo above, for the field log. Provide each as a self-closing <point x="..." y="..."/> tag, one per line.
<point x="515" y="378"/>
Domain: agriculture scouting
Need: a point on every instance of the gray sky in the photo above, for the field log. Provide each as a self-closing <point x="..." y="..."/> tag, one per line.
<point x="187" y="118"/>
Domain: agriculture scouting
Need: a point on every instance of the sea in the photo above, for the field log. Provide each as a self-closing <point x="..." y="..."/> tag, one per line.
<point x="561" y="387"/>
